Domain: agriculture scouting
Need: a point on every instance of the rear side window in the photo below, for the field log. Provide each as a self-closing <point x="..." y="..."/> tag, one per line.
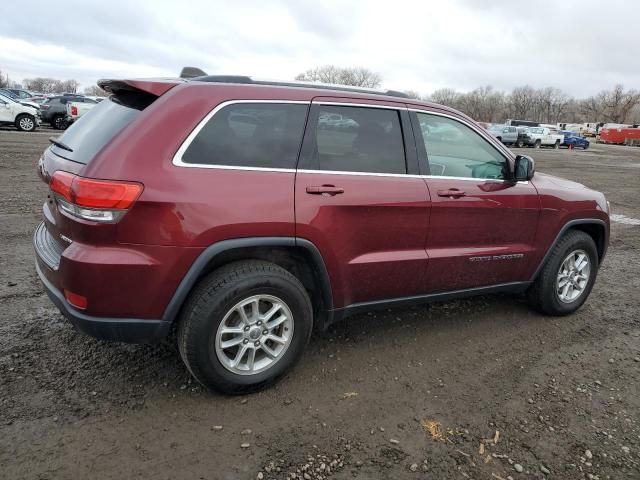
<point x="94" y="130"/>
<point x="250" y="135"/>
<point x="359" y="139"/>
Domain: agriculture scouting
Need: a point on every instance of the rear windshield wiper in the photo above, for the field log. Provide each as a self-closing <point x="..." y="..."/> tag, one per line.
<point x="58" y="143"/>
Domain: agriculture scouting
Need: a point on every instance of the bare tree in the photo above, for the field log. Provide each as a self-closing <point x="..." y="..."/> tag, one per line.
<point x="95" y="91"/>
<point x="356" y="76"/>
<point x="70" y="86"/>
<point x="521" y="101"/>
<point x="446" y="96"/>
<point x="43" y="84"/>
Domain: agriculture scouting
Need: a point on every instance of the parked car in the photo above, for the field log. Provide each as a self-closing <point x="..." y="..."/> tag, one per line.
<point x="54" y="110"/>
<point x="505" y="133"/>
<point x="572" y="139"/>
<point x="76" y="109"/>
<point x="21" y="93"/>
<point x="246" y="225"/>
<point x="537" y="137"/>
<point x="23" y="117"/>
<point x="27" y="103"/>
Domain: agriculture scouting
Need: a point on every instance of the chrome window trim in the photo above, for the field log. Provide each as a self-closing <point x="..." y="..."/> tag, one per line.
<point x="177" y="158"/>
<point x="366" y="105"/>
<point x="178" y="162"/>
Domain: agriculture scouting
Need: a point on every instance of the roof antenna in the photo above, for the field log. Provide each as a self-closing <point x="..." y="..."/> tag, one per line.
<point x="191" y="72"/>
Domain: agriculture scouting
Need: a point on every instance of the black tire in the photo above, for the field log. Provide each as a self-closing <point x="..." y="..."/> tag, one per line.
<point x="59" y="122"/>
<point x="216" y="295"/>
<point x="585" y="146"/>
<point x="556" y="145"/>
<point x="26" y="122"/>
<point x="519" y="143"/>
<point x="537" y="144"/>
<point x="542" y="294"/>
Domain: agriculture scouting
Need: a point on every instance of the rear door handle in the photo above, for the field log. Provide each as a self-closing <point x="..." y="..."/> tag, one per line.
<point x="451" y="192"/>
<point x="325" y="190"/>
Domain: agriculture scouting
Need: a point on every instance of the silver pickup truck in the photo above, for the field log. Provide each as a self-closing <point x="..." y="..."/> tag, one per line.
<point x="505" y="133"/>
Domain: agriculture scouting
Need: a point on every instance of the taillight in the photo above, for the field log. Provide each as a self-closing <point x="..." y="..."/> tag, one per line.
<point x="74" y="110"/>
<point x="92" y="199"/>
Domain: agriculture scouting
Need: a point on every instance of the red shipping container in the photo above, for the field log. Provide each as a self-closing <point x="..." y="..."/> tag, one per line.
<point x="619" y="135"/>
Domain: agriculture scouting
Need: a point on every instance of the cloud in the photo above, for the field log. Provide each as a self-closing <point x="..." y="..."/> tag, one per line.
<point x="580" y="47"/>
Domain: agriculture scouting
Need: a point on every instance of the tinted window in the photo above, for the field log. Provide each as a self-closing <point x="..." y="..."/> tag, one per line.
<point x="359" y="139"/>
<point x="455" y="150"/>
<point x="250" y="135"/>
<point x="94" y="130"/>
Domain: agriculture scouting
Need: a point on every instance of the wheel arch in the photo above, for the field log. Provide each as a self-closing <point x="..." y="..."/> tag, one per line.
<point x="298" y="256"/>
<point x="594" y="227"/>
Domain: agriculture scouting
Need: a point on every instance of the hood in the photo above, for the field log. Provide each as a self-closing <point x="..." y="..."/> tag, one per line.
<point x="545" y="180"/>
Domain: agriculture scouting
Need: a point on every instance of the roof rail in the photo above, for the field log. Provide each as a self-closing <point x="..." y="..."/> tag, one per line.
<point x="320" y="86"/>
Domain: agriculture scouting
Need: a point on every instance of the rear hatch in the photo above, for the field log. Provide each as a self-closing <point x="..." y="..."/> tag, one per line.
<point x="78" y="146"/>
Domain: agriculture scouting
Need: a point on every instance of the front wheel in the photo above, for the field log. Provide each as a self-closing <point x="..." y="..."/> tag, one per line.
<point x="25" y="123"/>
<point x="519" y="143"/>
<point x="244" y="326"/>
<point x="565" y="281"/>
<point x="537" y="144"/>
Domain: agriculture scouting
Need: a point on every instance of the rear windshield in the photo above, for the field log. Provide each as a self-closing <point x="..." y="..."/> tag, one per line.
<point x="91" y="132"/>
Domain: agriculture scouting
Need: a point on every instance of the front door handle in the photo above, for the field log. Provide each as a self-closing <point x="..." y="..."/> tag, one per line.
<point x="325" y="190"/>
<point x="452" y="193"/>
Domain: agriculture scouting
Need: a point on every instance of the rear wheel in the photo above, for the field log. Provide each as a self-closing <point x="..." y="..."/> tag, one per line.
<point x="25" y="123"/>
<point x="556" y="145"/>
<point x="565" y="281"/>
<point x="59" y="122"/>
<point x="537" y="144"/>
<point x="244" y="326"/>
<point x="519" y="143"/>
<point x="585" y="146"/>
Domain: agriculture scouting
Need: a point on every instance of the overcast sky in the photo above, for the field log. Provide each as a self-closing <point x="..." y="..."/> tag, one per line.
<point x="579" y="46"/>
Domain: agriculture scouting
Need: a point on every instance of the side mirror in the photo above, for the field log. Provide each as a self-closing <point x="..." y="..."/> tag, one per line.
<point x="525" y="168"/>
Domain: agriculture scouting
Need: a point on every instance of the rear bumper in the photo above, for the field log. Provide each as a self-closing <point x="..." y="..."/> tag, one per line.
<point x="129" y="330"/>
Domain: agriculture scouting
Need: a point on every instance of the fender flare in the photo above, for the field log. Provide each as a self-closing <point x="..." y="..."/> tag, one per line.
<point x="200" y="264"/>
<point x="567" y="226"/>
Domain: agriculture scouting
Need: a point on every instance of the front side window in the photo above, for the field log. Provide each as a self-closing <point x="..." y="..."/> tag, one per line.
<point x="455" y="150"/>
<point x="250" y="135"/>
<point x="358" y="139"/>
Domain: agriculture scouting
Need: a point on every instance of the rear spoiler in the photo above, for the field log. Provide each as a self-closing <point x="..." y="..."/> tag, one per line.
<point x="138" y="93"/>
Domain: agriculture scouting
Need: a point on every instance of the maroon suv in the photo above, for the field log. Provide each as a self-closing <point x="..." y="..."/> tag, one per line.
<point x="246" y="213"/>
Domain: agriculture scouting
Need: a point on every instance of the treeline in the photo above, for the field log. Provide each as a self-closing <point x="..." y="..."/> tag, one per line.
<point x="545" y="105"/>
<point x="48" y="85"/>
<point x="486" y="104"/>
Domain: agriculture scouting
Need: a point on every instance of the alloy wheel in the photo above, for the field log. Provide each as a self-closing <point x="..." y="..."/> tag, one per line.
<point x="26" y="123"/>
<point x="573" y="276"/>
<point x="254" y="334"/>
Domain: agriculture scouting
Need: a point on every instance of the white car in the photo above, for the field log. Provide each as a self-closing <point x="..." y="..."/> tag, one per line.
<point x="23" y="117"/>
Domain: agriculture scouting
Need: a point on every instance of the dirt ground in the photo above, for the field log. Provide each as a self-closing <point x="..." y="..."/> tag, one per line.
<point x="480" y="388"/>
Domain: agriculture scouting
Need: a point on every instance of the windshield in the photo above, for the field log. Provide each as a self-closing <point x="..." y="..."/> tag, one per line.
<point x="94" y="130"/>
<point x="7" y="98"/>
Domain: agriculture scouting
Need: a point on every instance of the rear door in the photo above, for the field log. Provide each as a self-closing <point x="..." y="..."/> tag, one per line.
<point x="482" y="224"/>
<point x="360" y="200"/>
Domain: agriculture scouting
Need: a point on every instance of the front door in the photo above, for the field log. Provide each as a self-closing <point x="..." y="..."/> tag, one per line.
<point x="482" y="224"/>
<point x="357" y="201"/>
